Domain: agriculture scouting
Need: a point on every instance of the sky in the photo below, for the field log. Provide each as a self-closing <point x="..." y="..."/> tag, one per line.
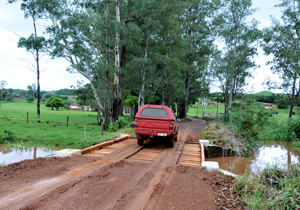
<point x="15" y="71"/>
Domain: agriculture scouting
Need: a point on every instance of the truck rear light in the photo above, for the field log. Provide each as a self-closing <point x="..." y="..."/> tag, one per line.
<point x="133" y="124"/>
<point x="171" y="126"/>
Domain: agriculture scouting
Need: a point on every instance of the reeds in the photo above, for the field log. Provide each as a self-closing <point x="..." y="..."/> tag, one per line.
<point x="274" y="189"/>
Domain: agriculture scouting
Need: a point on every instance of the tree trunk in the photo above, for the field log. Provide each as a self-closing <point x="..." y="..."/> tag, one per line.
<point x="117" y="102"/>
<point x="38" y="74"/>
<point x="99" y="104"/>
<point x="292" y="104"/>
<point x="124" y="47"/>
<point x="143" y="73"/>
<point x="204" y="107"/>
<point x="106" y="103"/>
<point x="181" y="109"/>
<point x="187" y="89"/>
<point x="226" y="98"/>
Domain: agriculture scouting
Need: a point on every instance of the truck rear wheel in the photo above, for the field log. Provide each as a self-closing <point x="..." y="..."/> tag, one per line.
<point x="140" y="141"/>
<point x="171" y="141"/>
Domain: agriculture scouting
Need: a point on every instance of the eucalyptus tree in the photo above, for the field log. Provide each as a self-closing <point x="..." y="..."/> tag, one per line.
<point x="197" y="24"/>
<point x="150" y="44"/>
<point x="76" y="36"/>
<point x="34" y="44"/>
<point x="282" y="40"/>
<point x="239" y="37"/>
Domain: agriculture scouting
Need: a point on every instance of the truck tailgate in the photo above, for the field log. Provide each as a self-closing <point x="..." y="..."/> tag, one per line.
<point x="153" y="124"/>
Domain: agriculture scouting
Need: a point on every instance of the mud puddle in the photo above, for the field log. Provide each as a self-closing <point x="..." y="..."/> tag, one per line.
<point x="10" y="155"/>
<point x="269" y="153"/>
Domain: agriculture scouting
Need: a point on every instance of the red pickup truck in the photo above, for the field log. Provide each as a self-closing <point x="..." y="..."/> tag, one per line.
<point x="155" y="121"/>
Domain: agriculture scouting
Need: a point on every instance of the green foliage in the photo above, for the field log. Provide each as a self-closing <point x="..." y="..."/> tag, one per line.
<point x="249" y="117"/>
<point x="32" y="42"/>
<point x="64" y="91"/>
<point x="281" y="130"/>
<point x="47" y="96"/>
<point x="54" y="102"/>
<point x="281" y="40"/>
<point x="30" y="99"/>
<point x="7" y="136"/>
<point x="274" y="189"/>
<point x="131" y="101"/>
<point x="282" y="102"/>
<point x="122" y="122"/>
<point x="31" y="90"/>
<point x="84" y="94"/>
<point x="9" y="98"/>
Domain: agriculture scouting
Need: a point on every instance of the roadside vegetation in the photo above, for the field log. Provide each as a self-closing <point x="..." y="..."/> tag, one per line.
<point x="248" y="123"/>
<point x="275" y="188"/>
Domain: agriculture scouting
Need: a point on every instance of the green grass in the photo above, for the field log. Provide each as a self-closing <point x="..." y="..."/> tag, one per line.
<point x="19" y="108"/>
<point x="274" y="189"/>
<point x="47" y="134"/>
<point x="211" y="111"/>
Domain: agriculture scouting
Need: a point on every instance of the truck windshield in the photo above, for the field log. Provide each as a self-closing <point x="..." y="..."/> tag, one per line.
<point x="154" y="112"/>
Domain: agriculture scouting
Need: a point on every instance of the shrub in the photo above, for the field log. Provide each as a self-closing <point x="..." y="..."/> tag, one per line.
<point x="9" y="98"/>
<point x="118" y="124"/>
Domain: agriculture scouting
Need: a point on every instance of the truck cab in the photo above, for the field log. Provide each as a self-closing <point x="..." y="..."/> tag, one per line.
<point x="156" y="121"/>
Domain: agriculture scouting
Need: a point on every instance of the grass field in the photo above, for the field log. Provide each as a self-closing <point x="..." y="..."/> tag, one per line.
<point x="211" y="111"/>
<point x="49" y="134"/>
<point x="19" y="108"/>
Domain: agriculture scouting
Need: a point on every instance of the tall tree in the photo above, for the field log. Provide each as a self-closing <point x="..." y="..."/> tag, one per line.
<point x="282" y="40"/>
<point x="198" y="32"/>
<point x="3" y="83"/>
<point x="34" y="43"/>
<point x="76" y="35"/>
<point x="239" y="37"/>
<point x="117" y="101"/>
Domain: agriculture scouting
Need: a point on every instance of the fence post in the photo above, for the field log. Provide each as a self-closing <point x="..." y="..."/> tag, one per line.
<point x="67" y="121"/>
<point x="27" y="117"/>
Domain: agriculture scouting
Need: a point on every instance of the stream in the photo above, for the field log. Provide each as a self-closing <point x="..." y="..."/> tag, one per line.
<point x="10" y="155"/>
<point x="269" y="153"/>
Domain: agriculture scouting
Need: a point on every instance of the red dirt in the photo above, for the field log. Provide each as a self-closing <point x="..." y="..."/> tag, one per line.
<point x="119" y="184"/>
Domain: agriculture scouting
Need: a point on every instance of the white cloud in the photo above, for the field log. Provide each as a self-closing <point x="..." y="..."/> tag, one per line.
<point x="13" y="68"/>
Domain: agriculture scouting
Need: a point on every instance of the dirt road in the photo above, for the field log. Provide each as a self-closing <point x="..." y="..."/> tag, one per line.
<point x="116" y="181"/>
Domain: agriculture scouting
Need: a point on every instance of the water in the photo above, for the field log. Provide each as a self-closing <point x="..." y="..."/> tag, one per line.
<point x="270" y="153"/>
<point x="10" y="155"/>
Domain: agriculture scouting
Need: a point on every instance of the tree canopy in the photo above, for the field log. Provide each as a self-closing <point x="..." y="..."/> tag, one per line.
<point x="54" y="102"/>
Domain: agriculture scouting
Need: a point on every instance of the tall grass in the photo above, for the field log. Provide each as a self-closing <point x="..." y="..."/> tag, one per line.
<point x="274" y="189"/>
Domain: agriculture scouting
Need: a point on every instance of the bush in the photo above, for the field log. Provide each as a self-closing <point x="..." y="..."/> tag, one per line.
<point x="9" y="98"/>
<point x="249" y="117"/>
<point x="118" y="124"/>
<point x="7" y="136"/>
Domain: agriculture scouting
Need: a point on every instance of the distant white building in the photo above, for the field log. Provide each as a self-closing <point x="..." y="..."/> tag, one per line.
<point x="75" y="106"/>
